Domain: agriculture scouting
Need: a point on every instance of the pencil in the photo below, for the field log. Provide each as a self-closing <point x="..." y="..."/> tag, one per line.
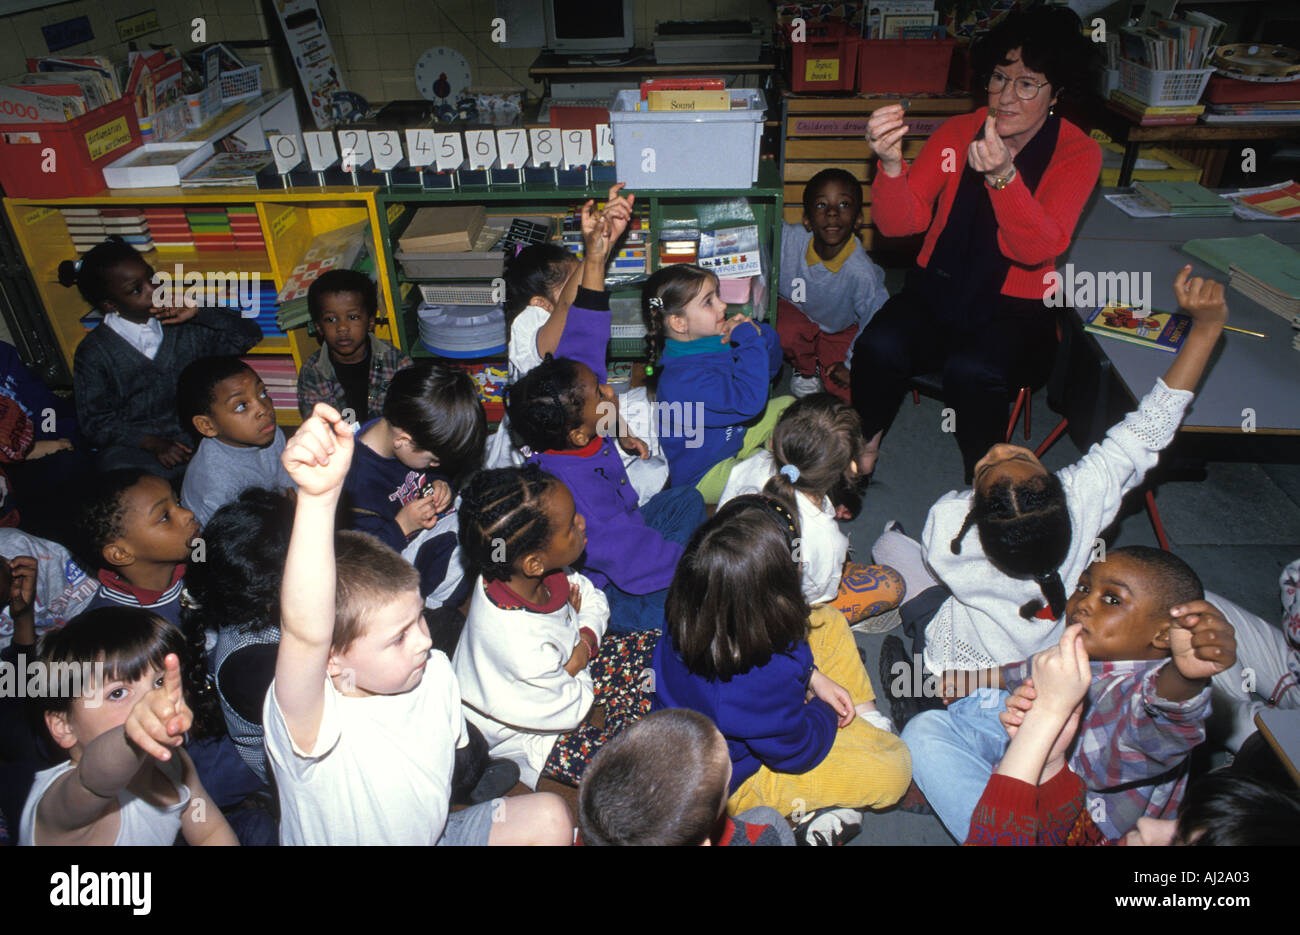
<point x="1253" y="334"/>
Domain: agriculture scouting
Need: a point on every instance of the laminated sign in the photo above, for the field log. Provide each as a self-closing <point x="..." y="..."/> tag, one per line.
<point x="821" y="69"/>
<point x="111" y="136"/>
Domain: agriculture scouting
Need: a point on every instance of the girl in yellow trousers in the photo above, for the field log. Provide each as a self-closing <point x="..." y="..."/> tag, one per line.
<point x="784" y="684"/>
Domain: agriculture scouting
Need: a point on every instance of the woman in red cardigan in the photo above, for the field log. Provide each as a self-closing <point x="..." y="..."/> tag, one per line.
<point x="998" y="193"/>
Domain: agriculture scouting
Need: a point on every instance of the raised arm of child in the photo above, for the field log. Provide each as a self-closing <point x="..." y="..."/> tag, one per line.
<point x="317" y="458"/>
<point x="1204" y="301"/>
<point x="1061" y="676"/>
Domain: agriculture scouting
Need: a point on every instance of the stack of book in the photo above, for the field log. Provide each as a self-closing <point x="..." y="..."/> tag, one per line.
<point x="1258" y="267"/>
<point x="169" y="228"/>
<point x="61" y="89"/>
<point x="267" y="305"/>
<point x="246" y="228"/>
<point x="1184" y="199"/>
<point x="1151" y="115"/>
<point x="679" y="245"/>
<point x="629" y="262"/>
<point x="1254" y="112"/>
<point x="281" y="380"/>
<point x="1174" y="44"/>
<point x="1279" y="203"/>
<point x="210" y="228"/>
<point x="89" y="227"/>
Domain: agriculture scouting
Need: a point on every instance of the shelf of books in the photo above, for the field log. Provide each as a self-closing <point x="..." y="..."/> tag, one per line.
<point x="255" y="250"/>
<point x="447" y="254"/>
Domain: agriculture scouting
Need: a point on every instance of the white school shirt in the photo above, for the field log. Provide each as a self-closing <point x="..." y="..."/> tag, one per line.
<point x="380" y="771"/>
<point x="510" y="665"/>
<point x="142" y="823"/>
<point x="980" y="626"/>
<point x="823" y="547"/>
<point x="145" y="338"/>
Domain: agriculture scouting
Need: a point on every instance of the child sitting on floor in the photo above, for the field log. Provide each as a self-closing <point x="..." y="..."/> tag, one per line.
<point x="1005" y="594"/>
<point x="816" y="444"/>
<point x="125" y="372"/>
<point x="353" y="369"/>
<point x="785" y="691"/>
<point x="1154" y="643"/>
<point x="663" y="783"/>
<point x="363" y="719"/>
<point x="715" y="377"/>
<point x="534" y="661"/>
<point x="561" y="411"/>
<point x="399" y="488"/>
<point x="829" y="287"/>
<point x="1035" y="798"/>
<point x="227" y="404"/>
<point x="127" y="780"/>
<point x="135" y="531"/>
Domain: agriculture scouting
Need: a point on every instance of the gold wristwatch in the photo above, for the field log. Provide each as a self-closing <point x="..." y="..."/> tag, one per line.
<point x="1003" y="181"/>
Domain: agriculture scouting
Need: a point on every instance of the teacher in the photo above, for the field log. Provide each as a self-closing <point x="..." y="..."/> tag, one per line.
<point x="998" y="193"/>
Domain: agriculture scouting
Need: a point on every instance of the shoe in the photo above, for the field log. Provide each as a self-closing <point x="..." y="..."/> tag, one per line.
<point x="895" y="663"/>
<point x="914" y="801"/>
<point x="801" y="385"/>
<point x="498" y="778"/>
<point x="880" y="623"/>
<point x="828" y="827"/>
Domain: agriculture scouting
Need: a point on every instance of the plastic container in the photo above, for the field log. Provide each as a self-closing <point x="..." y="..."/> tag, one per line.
<point x="465" y="332"/>
<point x="1162" y="88"/>
<point x="825" y="60"/>
<point x="696" y="149"/>
<point x="82" y="147"/>
<point x="904" y="66"/>
<point x="486" y="264"/>
<point x="241" y="83"/>
<point x="150" y="165"/>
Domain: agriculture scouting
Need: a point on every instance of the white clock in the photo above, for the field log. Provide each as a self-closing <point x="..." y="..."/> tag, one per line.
<point x="441" y="74"/>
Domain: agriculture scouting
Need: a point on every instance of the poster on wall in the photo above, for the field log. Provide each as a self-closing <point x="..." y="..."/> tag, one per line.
<point x="313" y="56"/>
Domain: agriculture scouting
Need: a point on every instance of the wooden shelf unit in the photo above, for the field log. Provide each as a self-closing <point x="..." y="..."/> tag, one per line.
<point x="289" y="221"/>
<point x="823" y="131"/>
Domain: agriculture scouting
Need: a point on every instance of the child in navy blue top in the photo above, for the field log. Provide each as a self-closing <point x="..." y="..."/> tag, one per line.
<point x="786" y="692"/>
<point x="716" y="372"/>
<point x="564" y="415"/>
<point x="399" y="486"/>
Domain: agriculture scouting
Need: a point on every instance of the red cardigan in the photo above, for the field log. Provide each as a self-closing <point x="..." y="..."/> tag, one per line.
<point x="1033" y="229"/>
<point x="1016" y="813"/>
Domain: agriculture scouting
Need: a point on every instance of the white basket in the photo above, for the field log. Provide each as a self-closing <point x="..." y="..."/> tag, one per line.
<point x="458" y="293"/>
<point x="241" y="83"/>
<point x="1162" y="88"/>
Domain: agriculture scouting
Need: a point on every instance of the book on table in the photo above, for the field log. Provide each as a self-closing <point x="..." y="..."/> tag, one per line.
<point x="1163" y="331"/>
<point x="1184" y="199"/>
<point x="1258" y="266"/>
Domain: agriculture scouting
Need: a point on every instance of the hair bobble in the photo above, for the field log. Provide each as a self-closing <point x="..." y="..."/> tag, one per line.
<point x="656" y="302"/>
<point x="790" y="471"/>
<point x="76" y="266"/>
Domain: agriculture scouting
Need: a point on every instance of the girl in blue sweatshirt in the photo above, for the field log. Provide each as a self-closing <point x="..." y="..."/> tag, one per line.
<point x="715" y="376"/>
<point x="786" y="692"/>
<point x="565" y="414"/>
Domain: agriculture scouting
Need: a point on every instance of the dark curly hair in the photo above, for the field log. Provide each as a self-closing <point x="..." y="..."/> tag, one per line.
<point x="535" y="271"/>
<point x="813" y="187"/>
<point x="1025" y="532"/>
<point x="545" y="404"/>
<point x="99" y="518"/>
<point x="439" y="407"/>
<point x="504" y="506"/>
<point x="198" y="381"/>
<point x="1051" y="42"/>
<point x="335" y="281"/>
<point x="91" y="279"/>
<point x="673" y="287"/>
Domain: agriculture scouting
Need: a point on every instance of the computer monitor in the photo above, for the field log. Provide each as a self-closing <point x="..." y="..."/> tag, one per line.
<point x="589" y="26"/>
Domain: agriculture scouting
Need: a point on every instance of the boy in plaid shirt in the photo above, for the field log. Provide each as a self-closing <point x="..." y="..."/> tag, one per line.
<point x="1154" y="643"/>
<point x="352" y="371"/>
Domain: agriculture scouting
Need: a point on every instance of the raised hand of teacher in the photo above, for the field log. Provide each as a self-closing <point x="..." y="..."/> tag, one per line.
<point x="990" y="155"/>
<point x="885" y="132"/>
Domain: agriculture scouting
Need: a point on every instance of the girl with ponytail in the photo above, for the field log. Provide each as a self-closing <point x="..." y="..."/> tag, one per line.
<point x="815" y="446"/>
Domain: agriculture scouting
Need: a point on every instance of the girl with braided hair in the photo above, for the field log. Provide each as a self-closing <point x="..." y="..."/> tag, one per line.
<point x="538" y="674"/>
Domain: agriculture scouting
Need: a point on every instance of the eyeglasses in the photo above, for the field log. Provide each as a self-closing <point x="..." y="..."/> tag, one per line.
<point x="1026" y="88"/>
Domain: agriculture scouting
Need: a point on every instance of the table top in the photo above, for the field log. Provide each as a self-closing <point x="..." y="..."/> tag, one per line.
<point x="1262" y="374"/>
<point x="1282" y="731"/>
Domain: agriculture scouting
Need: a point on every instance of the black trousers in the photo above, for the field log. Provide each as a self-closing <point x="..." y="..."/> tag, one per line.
<point x="982" y="367"/>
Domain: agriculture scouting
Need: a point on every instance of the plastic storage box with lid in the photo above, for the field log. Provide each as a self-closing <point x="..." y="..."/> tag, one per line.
<point x="694" y="149"/>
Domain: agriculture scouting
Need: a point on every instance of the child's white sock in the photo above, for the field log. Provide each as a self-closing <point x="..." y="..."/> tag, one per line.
<point x="876" y="718"/>
<point x="906" y="556"/>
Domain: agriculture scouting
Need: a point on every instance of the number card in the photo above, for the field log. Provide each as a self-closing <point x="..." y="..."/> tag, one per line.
<point x="577" y="147"/>
<point x="604" y="143"/>
<point x="320" y="150"/>
<point x="287" y="151"/>
<point x="449" y="150"/>
<point x="513" y="146"/>
<point x="355" y="148"/>
<point x="419" y="147"/>
<point x="482" y="146"/>
<point x="546" y="146"/>
<point x="386" y="148"/>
